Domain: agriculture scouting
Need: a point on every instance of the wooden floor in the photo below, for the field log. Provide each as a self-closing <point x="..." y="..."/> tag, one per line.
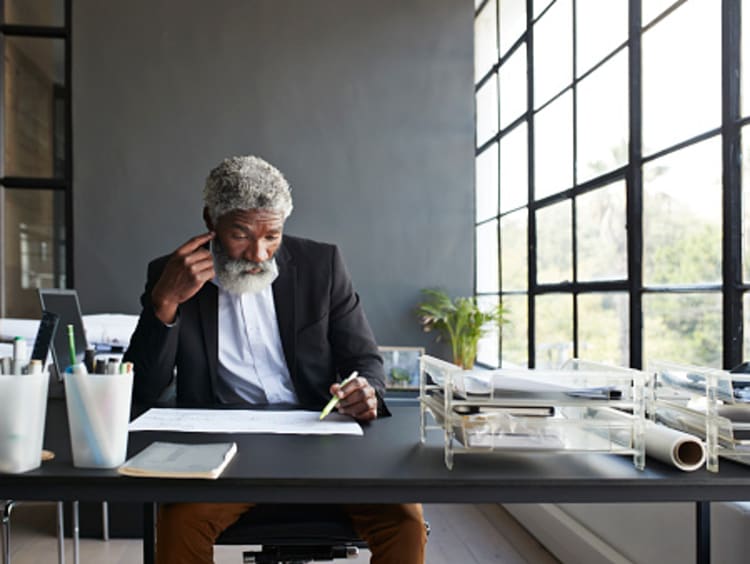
<point x="466" y="534"/>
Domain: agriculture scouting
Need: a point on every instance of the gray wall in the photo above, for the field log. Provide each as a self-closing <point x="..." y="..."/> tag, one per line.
<point x="365" y="105"/>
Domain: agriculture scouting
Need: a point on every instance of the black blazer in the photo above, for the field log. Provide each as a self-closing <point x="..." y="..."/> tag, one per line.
<point x="324" y="332"/>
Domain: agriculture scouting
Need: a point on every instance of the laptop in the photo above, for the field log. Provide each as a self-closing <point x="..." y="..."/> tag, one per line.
<point x="65" y="304"/>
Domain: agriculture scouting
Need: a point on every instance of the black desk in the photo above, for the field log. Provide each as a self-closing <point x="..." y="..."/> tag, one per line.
<point x="387" y="465"/>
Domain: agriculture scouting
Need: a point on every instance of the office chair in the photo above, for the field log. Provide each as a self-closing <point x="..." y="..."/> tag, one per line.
<point x="294" y="533"/>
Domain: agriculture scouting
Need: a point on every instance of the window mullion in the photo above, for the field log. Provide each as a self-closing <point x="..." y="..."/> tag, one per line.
<point x="732" y="184"/>
<point x="634" y="185"/>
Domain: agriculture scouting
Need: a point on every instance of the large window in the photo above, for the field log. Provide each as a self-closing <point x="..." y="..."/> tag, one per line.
<point x="35" y="170"/>
<point x="610" y="155"/>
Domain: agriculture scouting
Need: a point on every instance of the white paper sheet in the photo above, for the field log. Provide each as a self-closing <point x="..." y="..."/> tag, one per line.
<point x="293" y="422"/>
<point x="112" y="329"/>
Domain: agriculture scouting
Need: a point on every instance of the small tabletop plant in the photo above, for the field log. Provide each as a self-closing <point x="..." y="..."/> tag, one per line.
<point x="460" y="321"/>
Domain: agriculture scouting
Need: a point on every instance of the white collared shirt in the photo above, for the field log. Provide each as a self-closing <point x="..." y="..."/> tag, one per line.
<point x="252" y="367"/>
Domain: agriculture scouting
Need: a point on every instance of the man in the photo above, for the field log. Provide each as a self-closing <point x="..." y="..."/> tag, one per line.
<point x="259" y="317"/>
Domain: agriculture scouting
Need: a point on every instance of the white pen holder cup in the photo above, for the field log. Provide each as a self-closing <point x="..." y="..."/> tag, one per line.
<point x="23" y="398"/>
<point x="98" y="416"/>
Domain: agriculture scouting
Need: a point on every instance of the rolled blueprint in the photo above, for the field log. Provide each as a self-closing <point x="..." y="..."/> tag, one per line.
<point x="683" y="450"/>
<point x="680" y="449"/>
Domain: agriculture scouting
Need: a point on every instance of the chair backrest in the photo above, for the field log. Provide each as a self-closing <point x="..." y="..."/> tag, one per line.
<point x="293" y="532"/>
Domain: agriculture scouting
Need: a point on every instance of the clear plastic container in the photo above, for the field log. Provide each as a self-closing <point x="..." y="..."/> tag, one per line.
<point x="98" y="415"/>
<point x="561" y="411"/>
<point x="24" y="407"/>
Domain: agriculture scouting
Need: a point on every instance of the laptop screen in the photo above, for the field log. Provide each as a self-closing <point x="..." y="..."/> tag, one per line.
<point x="65" y="304"/>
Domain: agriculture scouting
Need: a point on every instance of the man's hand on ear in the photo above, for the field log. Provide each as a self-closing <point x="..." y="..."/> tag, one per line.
<point x="187" y="270"/>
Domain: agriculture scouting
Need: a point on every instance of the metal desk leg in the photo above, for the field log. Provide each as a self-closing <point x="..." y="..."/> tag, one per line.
<point x="60" y="533"/>
<point x="149" y="532"/>
<point x="7" y="508"/>
<point x="105" y="521"/>
<point x="76" y="533"/>
<point x="703" y="532"/>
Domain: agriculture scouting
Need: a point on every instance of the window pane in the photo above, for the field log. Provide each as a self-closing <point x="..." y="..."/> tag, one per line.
<point x="553" y="147"/>
<point x="745" y="63"/>
<point x="35" y="12"/>
<point x="553" y="52"/>
<point x="603" y="119"/>
<point x="682" y="216"/>
<point x="554" y="330"/>
<point x="487" y="110"/>
<point x="682" y="75"/>
<point x="487" y="258"/>
<point x="600" y="28"/>
<point x="486" y="165"/>
<point x="34" y="246"/>
<point x="515" y="332"/>
<point x="512" y="22"/>
<point x="683" y="328"/>
<point x="513" y="87"/>
<point x="514" y="245"/>
<point x="34" y="125"/>
<point x="604" y="328"/>
<point x="514" y="172"/>
<point x="553" y="242"/>
<point x="485" y="40"/>
<point x="601" y="235"/>
<point x="488" y="350"/>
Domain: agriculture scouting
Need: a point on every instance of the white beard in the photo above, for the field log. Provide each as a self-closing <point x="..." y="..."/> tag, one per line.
<point x="234" y="275"/>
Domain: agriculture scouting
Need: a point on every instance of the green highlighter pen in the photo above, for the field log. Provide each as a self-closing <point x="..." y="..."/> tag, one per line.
<point x="335" y="399"/>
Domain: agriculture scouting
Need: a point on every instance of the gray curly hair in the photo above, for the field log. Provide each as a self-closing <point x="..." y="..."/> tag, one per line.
<point x="245" y="183"/>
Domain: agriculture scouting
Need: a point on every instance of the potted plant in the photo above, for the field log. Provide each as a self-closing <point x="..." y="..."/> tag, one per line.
<point x="460" y="320"/>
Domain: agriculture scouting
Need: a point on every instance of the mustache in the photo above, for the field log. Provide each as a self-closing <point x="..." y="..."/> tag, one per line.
<point x="239" y="266"/>
<point x="246" y="267"/>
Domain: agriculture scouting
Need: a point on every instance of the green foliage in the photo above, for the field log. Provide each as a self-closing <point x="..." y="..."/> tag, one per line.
<point x="460" y="320"/>
<point x="400" y="376"/>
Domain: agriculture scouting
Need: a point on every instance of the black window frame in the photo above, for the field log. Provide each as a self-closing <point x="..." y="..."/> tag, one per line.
<point x="732" y="287"/>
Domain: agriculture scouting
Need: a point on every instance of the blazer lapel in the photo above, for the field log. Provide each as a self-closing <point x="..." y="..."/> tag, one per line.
<point x="208" y="305"/>
<point x="284" y="296"/>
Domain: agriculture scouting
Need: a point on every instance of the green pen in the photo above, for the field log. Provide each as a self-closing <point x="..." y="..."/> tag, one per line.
<point x="71" y="345"/>
<point x="335" y="399"/>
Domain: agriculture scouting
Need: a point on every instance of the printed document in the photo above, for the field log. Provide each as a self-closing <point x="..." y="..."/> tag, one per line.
<point x="292" y="422"/>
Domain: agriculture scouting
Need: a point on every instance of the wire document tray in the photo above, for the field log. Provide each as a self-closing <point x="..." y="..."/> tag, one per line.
<point x="710" y="403"/>
<point x="559" y="411"/>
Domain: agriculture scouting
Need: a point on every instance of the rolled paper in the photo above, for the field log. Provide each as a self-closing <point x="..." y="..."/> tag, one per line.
<point x="681" y="450"/>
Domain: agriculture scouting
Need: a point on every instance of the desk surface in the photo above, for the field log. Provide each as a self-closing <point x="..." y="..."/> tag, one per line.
<point x="387" y="464"/>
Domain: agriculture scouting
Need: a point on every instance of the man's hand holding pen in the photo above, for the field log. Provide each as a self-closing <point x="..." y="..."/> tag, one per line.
<point x="187" y="270"/>
<point x="356" y="398"/>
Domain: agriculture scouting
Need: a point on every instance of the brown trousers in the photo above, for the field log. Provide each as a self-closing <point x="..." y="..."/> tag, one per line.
<point x="395" y="533"/>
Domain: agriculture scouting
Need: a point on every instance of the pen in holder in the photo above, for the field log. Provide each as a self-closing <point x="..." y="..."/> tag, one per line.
<point x="98" y="413"/>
